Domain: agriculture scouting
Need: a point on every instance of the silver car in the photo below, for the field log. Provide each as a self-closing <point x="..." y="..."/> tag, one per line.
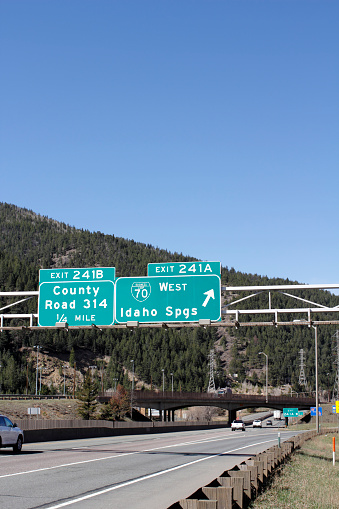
<point x="10" y="434"/>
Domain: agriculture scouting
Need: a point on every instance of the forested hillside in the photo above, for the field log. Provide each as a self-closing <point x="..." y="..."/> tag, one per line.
<point x="29" y="242"/>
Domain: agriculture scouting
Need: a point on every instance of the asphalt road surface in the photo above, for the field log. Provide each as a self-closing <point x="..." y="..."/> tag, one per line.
<point x="139" y="472"/>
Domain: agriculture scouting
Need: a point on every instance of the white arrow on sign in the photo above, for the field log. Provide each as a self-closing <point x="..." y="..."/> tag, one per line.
<point x="210" y="295"/>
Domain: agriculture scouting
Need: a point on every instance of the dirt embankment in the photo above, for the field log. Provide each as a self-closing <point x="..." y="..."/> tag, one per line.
<point x="49" y="409"/>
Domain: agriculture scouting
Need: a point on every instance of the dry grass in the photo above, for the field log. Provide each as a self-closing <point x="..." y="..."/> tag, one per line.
<point x="308" y="481"/>
<point x="50" y="409"/>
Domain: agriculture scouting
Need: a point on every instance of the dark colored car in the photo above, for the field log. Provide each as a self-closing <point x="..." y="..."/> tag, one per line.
<point x="269" y="422"/>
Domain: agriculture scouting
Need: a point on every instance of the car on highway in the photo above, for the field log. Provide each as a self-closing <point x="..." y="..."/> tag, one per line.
<point x="257" y="423"/>
<point x="10" y="434"/>
<point x="238" y="424"/>
<point x="268" y="422"/>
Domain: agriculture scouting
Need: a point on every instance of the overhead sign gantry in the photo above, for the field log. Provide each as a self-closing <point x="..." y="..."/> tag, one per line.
<point x="174" y="294"/>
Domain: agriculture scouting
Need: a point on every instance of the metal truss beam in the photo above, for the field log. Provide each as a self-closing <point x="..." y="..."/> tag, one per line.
<point x="231" y="317"/>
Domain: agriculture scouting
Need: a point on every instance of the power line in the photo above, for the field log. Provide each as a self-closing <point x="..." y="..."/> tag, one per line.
<point x="211" y="384"/>
<point x="302" y="377"/>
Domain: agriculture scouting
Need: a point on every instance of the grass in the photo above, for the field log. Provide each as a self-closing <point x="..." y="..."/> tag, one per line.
<point x="308" y="481"/>
<point x="50" y="408"/>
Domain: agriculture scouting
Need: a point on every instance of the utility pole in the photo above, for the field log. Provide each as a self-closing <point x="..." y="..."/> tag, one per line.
<point x="74" y="367"/>
<point x="316" y="377"/>
<point x="132" y="361"/>
<point x="37" y="368"/>
<point x="263" y="353"/>
<point x="336" y="383"/>
<point x="163" y="380"/>
<point x="64" y="367"/>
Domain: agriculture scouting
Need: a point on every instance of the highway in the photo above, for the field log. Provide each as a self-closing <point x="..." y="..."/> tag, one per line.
<point x="135" y="471"/>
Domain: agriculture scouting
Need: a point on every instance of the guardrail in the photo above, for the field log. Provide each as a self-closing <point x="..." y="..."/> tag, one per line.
<point x="241" y="484"/>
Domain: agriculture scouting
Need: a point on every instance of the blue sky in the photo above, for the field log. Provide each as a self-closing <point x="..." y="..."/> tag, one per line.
<point x="207" y="127"/>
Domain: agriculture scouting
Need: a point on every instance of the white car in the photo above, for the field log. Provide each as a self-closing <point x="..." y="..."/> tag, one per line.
<point x="238" y="424"/>
<point x="257" y="423"/>
<point x="10" y="434"/>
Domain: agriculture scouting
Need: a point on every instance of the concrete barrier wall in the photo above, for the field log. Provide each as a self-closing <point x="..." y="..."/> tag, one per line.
<point x="40" y="430"/>
<point x="240" y="485"/>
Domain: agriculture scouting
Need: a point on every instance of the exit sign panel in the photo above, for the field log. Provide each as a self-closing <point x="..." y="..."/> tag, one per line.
<point x="184" y="269"/>
<point x="167" y="299"/>
<point x="76" y="296"/>
<point x="291" y="412"/>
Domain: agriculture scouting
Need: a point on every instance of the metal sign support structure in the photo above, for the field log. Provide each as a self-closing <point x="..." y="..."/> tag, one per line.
<point x="231" y="313"/>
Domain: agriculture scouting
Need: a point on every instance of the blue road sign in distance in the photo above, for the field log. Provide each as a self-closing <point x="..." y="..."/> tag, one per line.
<point x="76" y="296"/>
<point x="184" y="269"/>
<point x="314" y="410"/>
<point x="165" y="299"/>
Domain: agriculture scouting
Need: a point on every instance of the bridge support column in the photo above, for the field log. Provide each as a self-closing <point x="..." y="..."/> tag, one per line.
<point x="172" y="411"/>
<point x="232" y="415"/>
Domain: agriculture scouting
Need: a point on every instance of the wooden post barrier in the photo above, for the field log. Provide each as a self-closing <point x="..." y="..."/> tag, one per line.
<point x="246" y="475"/>
<point x="237" y="483"/>
<point x="260" y="467"/>
<point x="263" y="457"/>
<point x="191" y="503"/>
<point x="270" y="461"/>
<point x="274" y="451"/>
<point x="253" y="475"/>
<point x="235" y="487"/>
<point x="222" y="494"/>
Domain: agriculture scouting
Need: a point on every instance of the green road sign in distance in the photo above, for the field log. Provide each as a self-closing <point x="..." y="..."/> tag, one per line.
<point x="184" y="269"/>
<point x="76" y="296"/>
<point x="165" y="299"/>
<point x="290" y="412"/>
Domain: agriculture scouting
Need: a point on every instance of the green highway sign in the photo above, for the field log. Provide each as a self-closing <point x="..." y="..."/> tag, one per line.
<point x="184" y="268"/>
<point x="165" y="299"/>
<point x="93" y="274"/>
<point x="290" y="412"/>
<point x="76" y="296"/>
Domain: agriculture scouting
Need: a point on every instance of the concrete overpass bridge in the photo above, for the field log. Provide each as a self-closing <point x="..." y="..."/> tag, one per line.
<point x="168" y="402"/>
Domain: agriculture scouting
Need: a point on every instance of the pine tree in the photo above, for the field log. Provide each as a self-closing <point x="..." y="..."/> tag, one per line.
<point x="87" y="398"/>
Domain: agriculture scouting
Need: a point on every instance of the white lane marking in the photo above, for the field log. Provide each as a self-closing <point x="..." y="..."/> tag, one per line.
<point x="109" y="457"/>
<point x="66" y="465"/>
<point x="150" y="476"/>
<point x="120" y="455"/>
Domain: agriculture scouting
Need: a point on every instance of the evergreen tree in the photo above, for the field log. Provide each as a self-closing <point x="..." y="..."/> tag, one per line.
<point x="87" y="398"/>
